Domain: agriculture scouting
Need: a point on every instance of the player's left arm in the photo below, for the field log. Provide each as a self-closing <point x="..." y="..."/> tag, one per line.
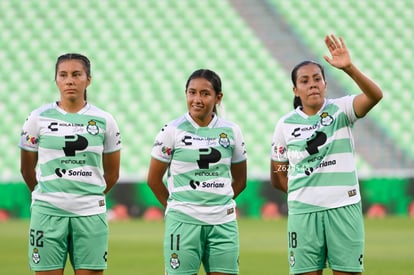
<point x="371" y="92"/>
<point x="111" y="165"/>
<point x="239" y="175"/>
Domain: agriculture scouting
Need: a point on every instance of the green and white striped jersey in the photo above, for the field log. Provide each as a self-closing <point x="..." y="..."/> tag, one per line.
<point x="199" y="176"/>
<point x="69" y="167"/>
<point x="320" y="151"/>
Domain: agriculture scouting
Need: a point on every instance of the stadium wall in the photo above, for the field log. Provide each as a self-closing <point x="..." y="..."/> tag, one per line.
<point x="394" y="196"/>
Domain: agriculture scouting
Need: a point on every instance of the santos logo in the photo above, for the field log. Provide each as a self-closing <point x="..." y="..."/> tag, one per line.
<point x="72" y="173"/>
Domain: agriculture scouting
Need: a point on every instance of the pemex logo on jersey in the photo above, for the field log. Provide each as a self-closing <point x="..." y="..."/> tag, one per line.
<point x="207" y="156"/>
<point x="73" y="144"/>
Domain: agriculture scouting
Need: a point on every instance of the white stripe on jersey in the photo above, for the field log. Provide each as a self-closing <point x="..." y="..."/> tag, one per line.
<point x="53" y="133"/>
<point x="84" y="206"/>
<point x="208" y="214"/>
<point x="338" y="195"/>
<point x="320" y="152"/>
<point x="184" y="145"/>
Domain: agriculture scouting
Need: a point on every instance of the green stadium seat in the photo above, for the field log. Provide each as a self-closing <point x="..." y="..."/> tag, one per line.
<point x="385" y="52"/>
<point x="143" y="51"/>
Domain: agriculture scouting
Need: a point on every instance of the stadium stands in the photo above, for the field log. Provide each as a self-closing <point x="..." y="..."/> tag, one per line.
<point x="380" y="36"/>
<point x="143" y="51"/>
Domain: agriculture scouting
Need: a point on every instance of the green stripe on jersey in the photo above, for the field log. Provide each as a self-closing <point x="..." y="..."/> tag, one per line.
<point x="319" y="148"/>
<point x="200" y="158"/>
<point x="70" y="147"/>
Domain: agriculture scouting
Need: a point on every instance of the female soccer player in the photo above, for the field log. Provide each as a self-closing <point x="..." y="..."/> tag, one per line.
<point x="75" y="147"/>
<point x="312" y="159"/>
<point x="206" y="162"/>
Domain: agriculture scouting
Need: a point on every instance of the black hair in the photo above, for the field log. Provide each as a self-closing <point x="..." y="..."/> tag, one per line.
<point x="294" y="76"/>
<point x="85" y="61"/>
<point x="210" y="76"/>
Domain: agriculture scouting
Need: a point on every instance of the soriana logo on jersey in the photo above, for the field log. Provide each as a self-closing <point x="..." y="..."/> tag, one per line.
<point x="72" y="173"/>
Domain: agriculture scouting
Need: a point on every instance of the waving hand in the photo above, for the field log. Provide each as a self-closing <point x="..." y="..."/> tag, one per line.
<point x="341" y="58"/>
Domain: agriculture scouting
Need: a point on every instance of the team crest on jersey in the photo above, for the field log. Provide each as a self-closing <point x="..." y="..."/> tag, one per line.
<point x="174" y="261"/>
<point x="224" y="140"/>
<point x="326" y="119"/>
<point x="35" y="256"/>
<point x="92" y="128"/>
<point x="292" y="258"/>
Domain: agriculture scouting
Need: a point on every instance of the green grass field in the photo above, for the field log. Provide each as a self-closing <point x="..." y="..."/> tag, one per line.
<point x="136" y="248"/>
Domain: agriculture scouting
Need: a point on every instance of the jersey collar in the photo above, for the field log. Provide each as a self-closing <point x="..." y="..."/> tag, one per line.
<point x="195" y="125"/>
<point x="302" y="114"/>
<point x="81" y="111"/>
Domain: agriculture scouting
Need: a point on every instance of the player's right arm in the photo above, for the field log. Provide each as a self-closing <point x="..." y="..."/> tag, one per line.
<point x="278" y="175"/>
<point x="156" y="173"/>
<point x="279" y="160"/>
<point x="29" y="145"/>
<point x="28" y="161"/>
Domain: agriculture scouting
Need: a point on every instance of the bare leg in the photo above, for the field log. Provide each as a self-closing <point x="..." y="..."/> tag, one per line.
<point x="50" y="272"/>
<point x="335" y="272"/>
<point x="318" y="272"/>
<point x="88" y="272"/>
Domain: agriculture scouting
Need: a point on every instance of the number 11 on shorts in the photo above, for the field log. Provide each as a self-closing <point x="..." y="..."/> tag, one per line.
<point x="177" y="241"/>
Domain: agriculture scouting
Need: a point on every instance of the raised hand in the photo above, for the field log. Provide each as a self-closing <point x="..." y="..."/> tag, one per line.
<point x="341" y="58"/>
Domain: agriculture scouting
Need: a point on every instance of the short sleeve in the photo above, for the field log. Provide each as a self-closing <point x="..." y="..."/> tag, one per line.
<point x="239" y="153"/>
<point x="346" y="104"/>
<point x="163" y="146"/>
<point x="112" y="136"/>
<point x="29" y="137"/>
<point x="279" y="145"/>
